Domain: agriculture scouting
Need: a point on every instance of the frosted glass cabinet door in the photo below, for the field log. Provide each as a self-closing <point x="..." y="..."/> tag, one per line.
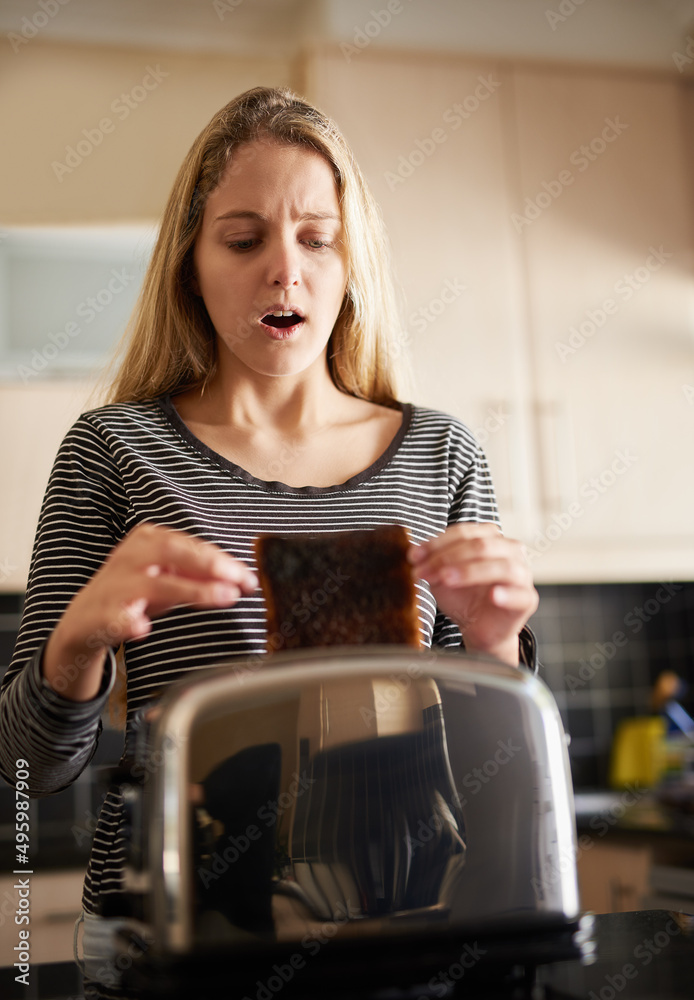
<point x="428" y="132"/>
<point x="603" y="206"/>
<point x="66" y="294"/>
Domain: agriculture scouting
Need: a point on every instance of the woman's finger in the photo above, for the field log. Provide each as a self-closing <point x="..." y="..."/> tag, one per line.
<point x="465" y="566"/>
<point x="169" y="590"/>
<point x="455" y="534"/>
<point x="152" y="549"/>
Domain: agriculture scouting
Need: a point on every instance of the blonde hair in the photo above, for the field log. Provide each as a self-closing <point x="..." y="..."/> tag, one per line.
<point x="170" y="343"/>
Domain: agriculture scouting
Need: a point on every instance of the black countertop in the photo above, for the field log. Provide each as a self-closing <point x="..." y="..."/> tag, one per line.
<point x="632" y="811"/>
<point x="647" y="954"/>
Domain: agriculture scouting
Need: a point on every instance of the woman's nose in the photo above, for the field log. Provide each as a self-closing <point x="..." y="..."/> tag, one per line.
<point x="285" y="266"/>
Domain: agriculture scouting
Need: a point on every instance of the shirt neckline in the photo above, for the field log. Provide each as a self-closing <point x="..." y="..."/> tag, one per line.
<point x="276" y="486"/>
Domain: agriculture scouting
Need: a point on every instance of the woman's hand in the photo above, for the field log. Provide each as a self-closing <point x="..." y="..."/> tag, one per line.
<point x="482" y="581"/>
<point x="150" y="571"/>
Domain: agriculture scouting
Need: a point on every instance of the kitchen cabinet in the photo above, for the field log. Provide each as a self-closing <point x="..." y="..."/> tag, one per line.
<point x="610" y="299"/>
<point x="557" y="202"/>
<point x="613" y="877"/>
<point x="89" y="278"/>
<point x="34" y="418"/>
<point x="632" y="854"/>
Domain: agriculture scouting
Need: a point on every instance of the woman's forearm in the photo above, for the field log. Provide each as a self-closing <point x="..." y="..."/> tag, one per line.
<point x="76" y="672"/>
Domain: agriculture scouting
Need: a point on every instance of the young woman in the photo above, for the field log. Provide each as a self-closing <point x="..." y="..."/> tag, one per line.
<point x="257" y="394"/>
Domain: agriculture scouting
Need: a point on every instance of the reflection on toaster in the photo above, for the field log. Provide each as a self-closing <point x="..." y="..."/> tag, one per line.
<point x="356" y="817"/>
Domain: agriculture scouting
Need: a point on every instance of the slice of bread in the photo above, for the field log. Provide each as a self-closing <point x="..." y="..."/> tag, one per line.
<point x="338" y="588"/>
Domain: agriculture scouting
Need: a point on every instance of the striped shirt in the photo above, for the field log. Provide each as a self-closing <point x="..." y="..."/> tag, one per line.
<point x="126" y="463"/>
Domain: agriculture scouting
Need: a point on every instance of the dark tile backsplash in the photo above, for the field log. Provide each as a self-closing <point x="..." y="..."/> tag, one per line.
<point x="602" y="646"/>
<point x="601" y="649"/>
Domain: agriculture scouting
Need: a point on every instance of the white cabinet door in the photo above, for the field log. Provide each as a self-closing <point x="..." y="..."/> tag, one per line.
<point x="603" y="206"/>
<point x="34" y="419"/>
<point x="428" y="133"/>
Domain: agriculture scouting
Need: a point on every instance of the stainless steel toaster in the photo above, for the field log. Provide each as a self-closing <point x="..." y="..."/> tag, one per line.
<point x="356" y="793"/>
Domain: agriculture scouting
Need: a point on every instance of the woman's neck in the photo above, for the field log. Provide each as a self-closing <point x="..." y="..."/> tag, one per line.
<point x="285" y="404"/>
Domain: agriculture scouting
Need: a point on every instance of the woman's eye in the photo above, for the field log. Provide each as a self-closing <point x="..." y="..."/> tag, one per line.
<point x="315" y="243"/>
<point x="241" y="244"/>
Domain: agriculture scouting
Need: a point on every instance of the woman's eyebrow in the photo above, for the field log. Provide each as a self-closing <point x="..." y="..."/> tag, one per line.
<point x="259" y="217"/>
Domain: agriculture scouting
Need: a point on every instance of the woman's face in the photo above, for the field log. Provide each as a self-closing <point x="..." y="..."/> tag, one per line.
<point x="271" y="242"/>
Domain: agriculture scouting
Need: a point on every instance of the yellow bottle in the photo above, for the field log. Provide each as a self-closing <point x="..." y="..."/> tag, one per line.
<point x="638" y="752"/>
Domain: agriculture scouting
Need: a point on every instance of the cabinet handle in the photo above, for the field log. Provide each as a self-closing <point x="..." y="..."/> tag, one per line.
<point x="500" y="437"/>
<point x="556" y="456"/>
<point x="493" y="437"/>
<point x="622" y="896"/>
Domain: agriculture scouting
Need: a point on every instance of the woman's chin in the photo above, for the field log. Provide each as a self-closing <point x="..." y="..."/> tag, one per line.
<point x="279" y="359"/>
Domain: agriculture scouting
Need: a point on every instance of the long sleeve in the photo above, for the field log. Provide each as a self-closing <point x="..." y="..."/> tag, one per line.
<point x="471" y="498"/>
<point x="80" y="522"/>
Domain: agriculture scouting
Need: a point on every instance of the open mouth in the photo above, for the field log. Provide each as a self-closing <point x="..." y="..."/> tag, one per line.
<point x="282" y="320"/>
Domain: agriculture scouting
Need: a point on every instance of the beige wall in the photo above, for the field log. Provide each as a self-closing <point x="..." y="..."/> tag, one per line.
<point x="52" y="92"/>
